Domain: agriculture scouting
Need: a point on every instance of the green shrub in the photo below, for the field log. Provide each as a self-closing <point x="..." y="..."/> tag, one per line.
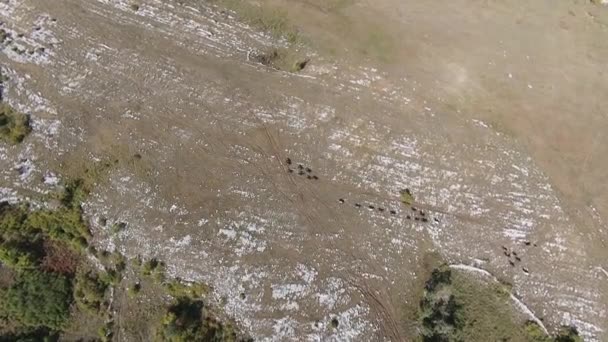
<point x="37" y="299"/>
<point x="134" y="289"/>
<point x="186" y="321"/>
<point x="17" y="257"/>
<point x="20" y="244"/>
<point x="64" y="224"/>
<point x="439" y="314"/>
<point x="74" y="193"/>
<point x="568" y="334"/>
<point x="110" y="277"/>
<point x="31" y="335"/>
<point x="120" y="262"/>
<point x="14" y="126"/>
<point x="105" y="333"/>
<point x="89" y="291"/>
<point x="154" y="268"/>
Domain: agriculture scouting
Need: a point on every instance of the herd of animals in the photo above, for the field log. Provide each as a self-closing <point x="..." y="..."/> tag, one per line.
<point x="416" y="214"/>
<point x="305" y="171"/>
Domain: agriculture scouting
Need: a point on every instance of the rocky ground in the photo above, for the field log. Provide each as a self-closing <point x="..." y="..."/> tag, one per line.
<point x="491" y="113"/>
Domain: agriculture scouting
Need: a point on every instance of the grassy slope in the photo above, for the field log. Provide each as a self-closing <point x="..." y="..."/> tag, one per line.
<point x="487" y="310"/>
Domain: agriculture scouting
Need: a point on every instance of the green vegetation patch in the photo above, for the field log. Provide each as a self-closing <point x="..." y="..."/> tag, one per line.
<point x="23" y="232"/>
<point x="85" y="178"/>
<point x="406" y="196"/>
<point x="457" y="308"/>
<point x="48" y="290"/>
<point x="188" y="320"/>
<point x="37" y="299"/>
<point x="42" y="249"/>
<point x="89" y="291"/>
<point x="177" y="289"/>
<point x="14" y="126"/>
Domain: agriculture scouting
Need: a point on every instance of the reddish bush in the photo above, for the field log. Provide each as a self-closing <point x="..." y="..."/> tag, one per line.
<point x="59" y="258"/>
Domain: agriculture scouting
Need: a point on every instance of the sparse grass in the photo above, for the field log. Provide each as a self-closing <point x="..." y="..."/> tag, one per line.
<point x="282" y="59"/>
<point x="377" y="45"/>
<point x="14" y="126"/>
<point x="84" y="178"/>
<point x="178" y="288"/>
<point x="271" y="20"/>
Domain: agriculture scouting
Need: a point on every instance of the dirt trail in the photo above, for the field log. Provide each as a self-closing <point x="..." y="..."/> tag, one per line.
<point x="405" y="104"/>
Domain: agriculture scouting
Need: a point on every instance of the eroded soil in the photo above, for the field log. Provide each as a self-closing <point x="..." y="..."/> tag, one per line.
<point x="491" y="113"/>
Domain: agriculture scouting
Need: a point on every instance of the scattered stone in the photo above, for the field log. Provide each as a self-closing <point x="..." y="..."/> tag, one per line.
<point x="301" y="173"/>
<point x="288" y="161"/>
<point x="526" y="271"/>
<point x="424" y="219"/>
<point x="381" y="209"/>
<point x="357" y="205"/>
<point x="334" y="323"/>
<point x="393" y="212"/>
<point x="300" y="167"/>
<point x="309" y="170"/>
<point x="315" y="177"/>
<point x="518" y="258"/>
<point x="341" y="200"/>
<point x="511" y="263"/>
<point x="290" y="170"/>
<point x="371" y="207"/>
